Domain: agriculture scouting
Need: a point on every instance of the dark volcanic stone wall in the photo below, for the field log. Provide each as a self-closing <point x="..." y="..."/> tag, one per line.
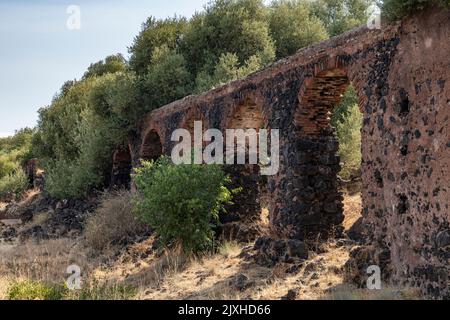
<point x="402" y="76"/>
<point x="407" y="155"/>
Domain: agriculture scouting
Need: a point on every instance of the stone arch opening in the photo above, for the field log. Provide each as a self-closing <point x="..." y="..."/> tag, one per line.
<point x="122" y="166"/>
<point x="319" y="197"/>
<point x="152" y="147"/>
<point x="248" y="216"/>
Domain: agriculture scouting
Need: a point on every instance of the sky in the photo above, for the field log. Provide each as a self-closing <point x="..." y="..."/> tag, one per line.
<point x="39" y="52"/>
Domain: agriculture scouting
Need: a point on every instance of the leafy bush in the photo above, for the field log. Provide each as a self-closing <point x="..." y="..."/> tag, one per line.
<point x="397" y="9"/>
<point x="33" y="290"/>
<point x="15" y="183"/>
<point x="114" y="222"/>
<point x="181" y="202"/>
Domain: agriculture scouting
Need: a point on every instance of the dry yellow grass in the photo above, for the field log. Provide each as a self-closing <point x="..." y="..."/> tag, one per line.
<point x="46" y="261"/>
<point x="352" y="209"/>
<point x="211" y="276"/>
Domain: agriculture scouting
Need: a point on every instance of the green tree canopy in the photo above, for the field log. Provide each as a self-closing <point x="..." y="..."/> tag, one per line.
<point x="398" y="9"/>
<point x="155" y="34"/>
<point x="339" y="16"/>
<point x="292" y="26"/>
<point x="111" y="64"/>
<point x="228" y="26"/>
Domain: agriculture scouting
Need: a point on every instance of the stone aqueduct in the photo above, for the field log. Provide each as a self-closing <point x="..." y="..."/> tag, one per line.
<point x="402" y="76"/>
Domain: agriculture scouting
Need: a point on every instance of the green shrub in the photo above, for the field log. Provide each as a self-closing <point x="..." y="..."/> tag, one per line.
<point x="398" y="9"/>
<point x="15" y="183"/>
<point x="181" y="202"/>
<point x="33" y="290"/>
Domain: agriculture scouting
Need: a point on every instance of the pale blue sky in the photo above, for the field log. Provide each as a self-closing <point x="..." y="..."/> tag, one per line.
<point x="39" y="53"/>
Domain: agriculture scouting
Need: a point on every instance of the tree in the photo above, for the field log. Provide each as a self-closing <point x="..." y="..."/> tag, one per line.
<point x="339" y="16"/>
<point x="228" y="26"/>
<point x="398" y="9"/>
<point x="111" y="64"/>
<point x="293" y="27"/>
<point x="226" y="70"/>
<point x="155" y="34"/>
<point x="167" y="78"/>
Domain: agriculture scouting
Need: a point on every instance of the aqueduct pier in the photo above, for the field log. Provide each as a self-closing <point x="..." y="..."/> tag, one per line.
<point x="402" y="76"/>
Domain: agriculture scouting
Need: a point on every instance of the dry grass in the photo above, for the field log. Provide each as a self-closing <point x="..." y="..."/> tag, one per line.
<point x="352" y="209"/>
<point x="4" y="284"/>
<point x="211" y="276"/>
<point x="113" y="223"/>
<point x="46" y="261"/>
<point x="346" y="292"/>
<point x="230" y="249"/>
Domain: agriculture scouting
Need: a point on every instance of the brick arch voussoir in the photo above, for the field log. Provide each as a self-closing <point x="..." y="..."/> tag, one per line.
<point x="254" y="98"/>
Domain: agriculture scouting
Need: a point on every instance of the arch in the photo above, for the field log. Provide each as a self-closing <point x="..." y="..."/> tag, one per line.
<point x="248" y="114"/>
<point x="122" y="166"/>
<point x="251" y="202"/>
<point x="320" y="95"/>
<point x="317" y="197"/>
<point x="151" y="148"/>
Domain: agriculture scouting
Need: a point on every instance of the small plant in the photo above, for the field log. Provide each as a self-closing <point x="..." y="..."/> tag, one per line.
<point x="33" y="290"/>
<point x="181" y="202"/>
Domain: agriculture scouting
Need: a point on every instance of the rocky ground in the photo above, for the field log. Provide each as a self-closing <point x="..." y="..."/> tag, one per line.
<point x="40" y="237"/>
